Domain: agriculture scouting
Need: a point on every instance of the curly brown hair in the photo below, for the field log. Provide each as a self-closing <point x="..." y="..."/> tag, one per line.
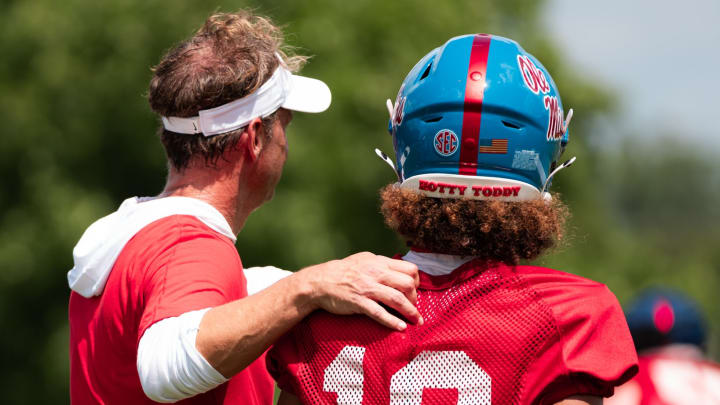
<point x="494" y="231"/>
<point x="231" y="56"/>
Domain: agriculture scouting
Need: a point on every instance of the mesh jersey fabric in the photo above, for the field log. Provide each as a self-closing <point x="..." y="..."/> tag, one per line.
<point x="174" y="265"/>
<point x="669" y="379"/>
<point x="492" y="334"/>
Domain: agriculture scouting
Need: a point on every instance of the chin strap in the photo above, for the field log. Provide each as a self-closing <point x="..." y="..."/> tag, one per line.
<point x="382" y="154"/>
<point x="566" y="124"/>
<point x="567" y="163"/>
<point x="387" y="160"/>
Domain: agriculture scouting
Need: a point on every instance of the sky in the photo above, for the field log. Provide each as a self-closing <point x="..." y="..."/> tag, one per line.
<point x="661" y="58"/>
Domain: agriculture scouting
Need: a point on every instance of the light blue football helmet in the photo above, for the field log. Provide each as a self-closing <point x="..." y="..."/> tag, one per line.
<point x="481" y="118"/>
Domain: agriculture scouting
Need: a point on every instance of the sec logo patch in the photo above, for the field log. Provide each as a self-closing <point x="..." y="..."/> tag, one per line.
<point x="446" y="142"/>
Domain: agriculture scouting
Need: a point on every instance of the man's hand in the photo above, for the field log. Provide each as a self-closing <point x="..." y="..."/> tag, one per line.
<point x="359" y="283"/>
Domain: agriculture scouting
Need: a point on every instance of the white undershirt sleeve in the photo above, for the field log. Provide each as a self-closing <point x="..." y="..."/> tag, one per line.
<point x="170" y="366"/>
<point x="260" y="278"/>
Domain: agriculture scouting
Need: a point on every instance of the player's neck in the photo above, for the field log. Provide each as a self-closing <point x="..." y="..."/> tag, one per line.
<point x="436" y="264"/>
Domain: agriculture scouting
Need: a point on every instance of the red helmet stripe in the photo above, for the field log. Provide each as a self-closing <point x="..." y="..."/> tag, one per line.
<point x="474" y="89"/>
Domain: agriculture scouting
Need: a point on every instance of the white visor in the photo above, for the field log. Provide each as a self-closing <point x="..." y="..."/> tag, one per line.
<point x="283" y="89"/>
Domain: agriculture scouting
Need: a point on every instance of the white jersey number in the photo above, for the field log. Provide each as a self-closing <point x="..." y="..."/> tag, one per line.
<point x="441" y="370"/>
<point x="344" y="376"/>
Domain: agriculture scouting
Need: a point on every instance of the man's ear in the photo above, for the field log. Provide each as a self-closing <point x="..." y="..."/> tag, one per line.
<point x="255" y="138"/>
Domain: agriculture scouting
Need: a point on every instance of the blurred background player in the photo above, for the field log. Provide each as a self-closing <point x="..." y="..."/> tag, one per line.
<point x="670" y="336"/>
<point x="478" y="130"/>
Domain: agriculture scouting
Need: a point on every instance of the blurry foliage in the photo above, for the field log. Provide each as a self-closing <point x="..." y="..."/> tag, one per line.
<point x="78" y="138"/>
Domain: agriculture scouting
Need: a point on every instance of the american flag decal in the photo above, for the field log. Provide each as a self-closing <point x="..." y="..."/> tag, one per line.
<point x="496" y="146"/>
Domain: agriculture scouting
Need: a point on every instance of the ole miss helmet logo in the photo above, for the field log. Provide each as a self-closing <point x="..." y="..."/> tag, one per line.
<point x="534" y="78"/>
<point x="536" y="81"/>
<point x="446" y="142"/>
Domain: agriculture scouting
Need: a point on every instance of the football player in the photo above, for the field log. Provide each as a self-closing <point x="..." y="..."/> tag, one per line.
<point x="478" y="129"/>
<point x="669" y="333"/>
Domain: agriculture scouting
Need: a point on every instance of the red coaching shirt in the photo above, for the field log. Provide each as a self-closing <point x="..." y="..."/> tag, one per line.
<point x="500" y="335"/>
<point x="172" y="266"/>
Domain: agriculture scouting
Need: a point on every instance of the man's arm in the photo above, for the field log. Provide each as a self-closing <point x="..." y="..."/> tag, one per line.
<point x="233" y="335"/>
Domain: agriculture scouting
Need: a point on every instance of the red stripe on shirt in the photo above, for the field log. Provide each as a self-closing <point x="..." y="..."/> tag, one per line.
<point x="472" y="115"/>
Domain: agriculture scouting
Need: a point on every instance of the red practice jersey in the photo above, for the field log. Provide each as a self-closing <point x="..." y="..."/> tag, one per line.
<point x="668" y="379"/>
<point x="492" y="335"/>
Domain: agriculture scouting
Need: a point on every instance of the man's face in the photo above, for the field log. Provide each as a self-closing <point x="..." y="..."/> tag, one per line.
<point x="274" y="153"/>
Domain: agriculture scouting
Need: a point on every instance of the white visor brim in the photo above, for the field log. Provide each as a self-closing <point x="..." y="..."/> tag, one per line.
<point x="307" y="95"/>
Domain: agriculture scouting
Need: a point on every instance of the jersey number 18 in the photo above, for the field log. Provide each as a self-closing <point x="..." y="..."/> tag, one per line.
<point x="429" y="369"/>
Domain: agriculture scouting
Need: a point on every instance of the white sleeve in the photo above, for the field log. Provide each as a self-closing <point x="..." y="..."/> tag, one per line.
<point x="260" y="278"/>
<point x="170" y="366"/>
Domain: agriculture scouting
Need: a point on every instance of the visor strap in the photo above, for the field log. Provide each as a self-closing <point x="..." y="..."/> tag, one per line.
<point x="236" y="114"/>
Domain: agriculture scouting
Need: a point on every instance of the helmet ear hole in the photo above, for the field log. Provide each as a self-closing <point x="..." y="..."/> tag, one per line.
<point x="432" y="119"/>
<point x="426" y="73"/>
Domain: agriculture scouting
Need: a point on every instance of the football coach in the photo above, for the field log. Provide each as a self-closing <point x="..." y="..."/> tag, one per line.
<point x="159" y="308"/>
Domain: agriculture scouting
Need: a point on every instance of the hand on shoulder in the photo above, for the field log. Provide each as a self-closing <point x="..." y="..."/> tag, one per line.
<point x="360" y="283"/>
